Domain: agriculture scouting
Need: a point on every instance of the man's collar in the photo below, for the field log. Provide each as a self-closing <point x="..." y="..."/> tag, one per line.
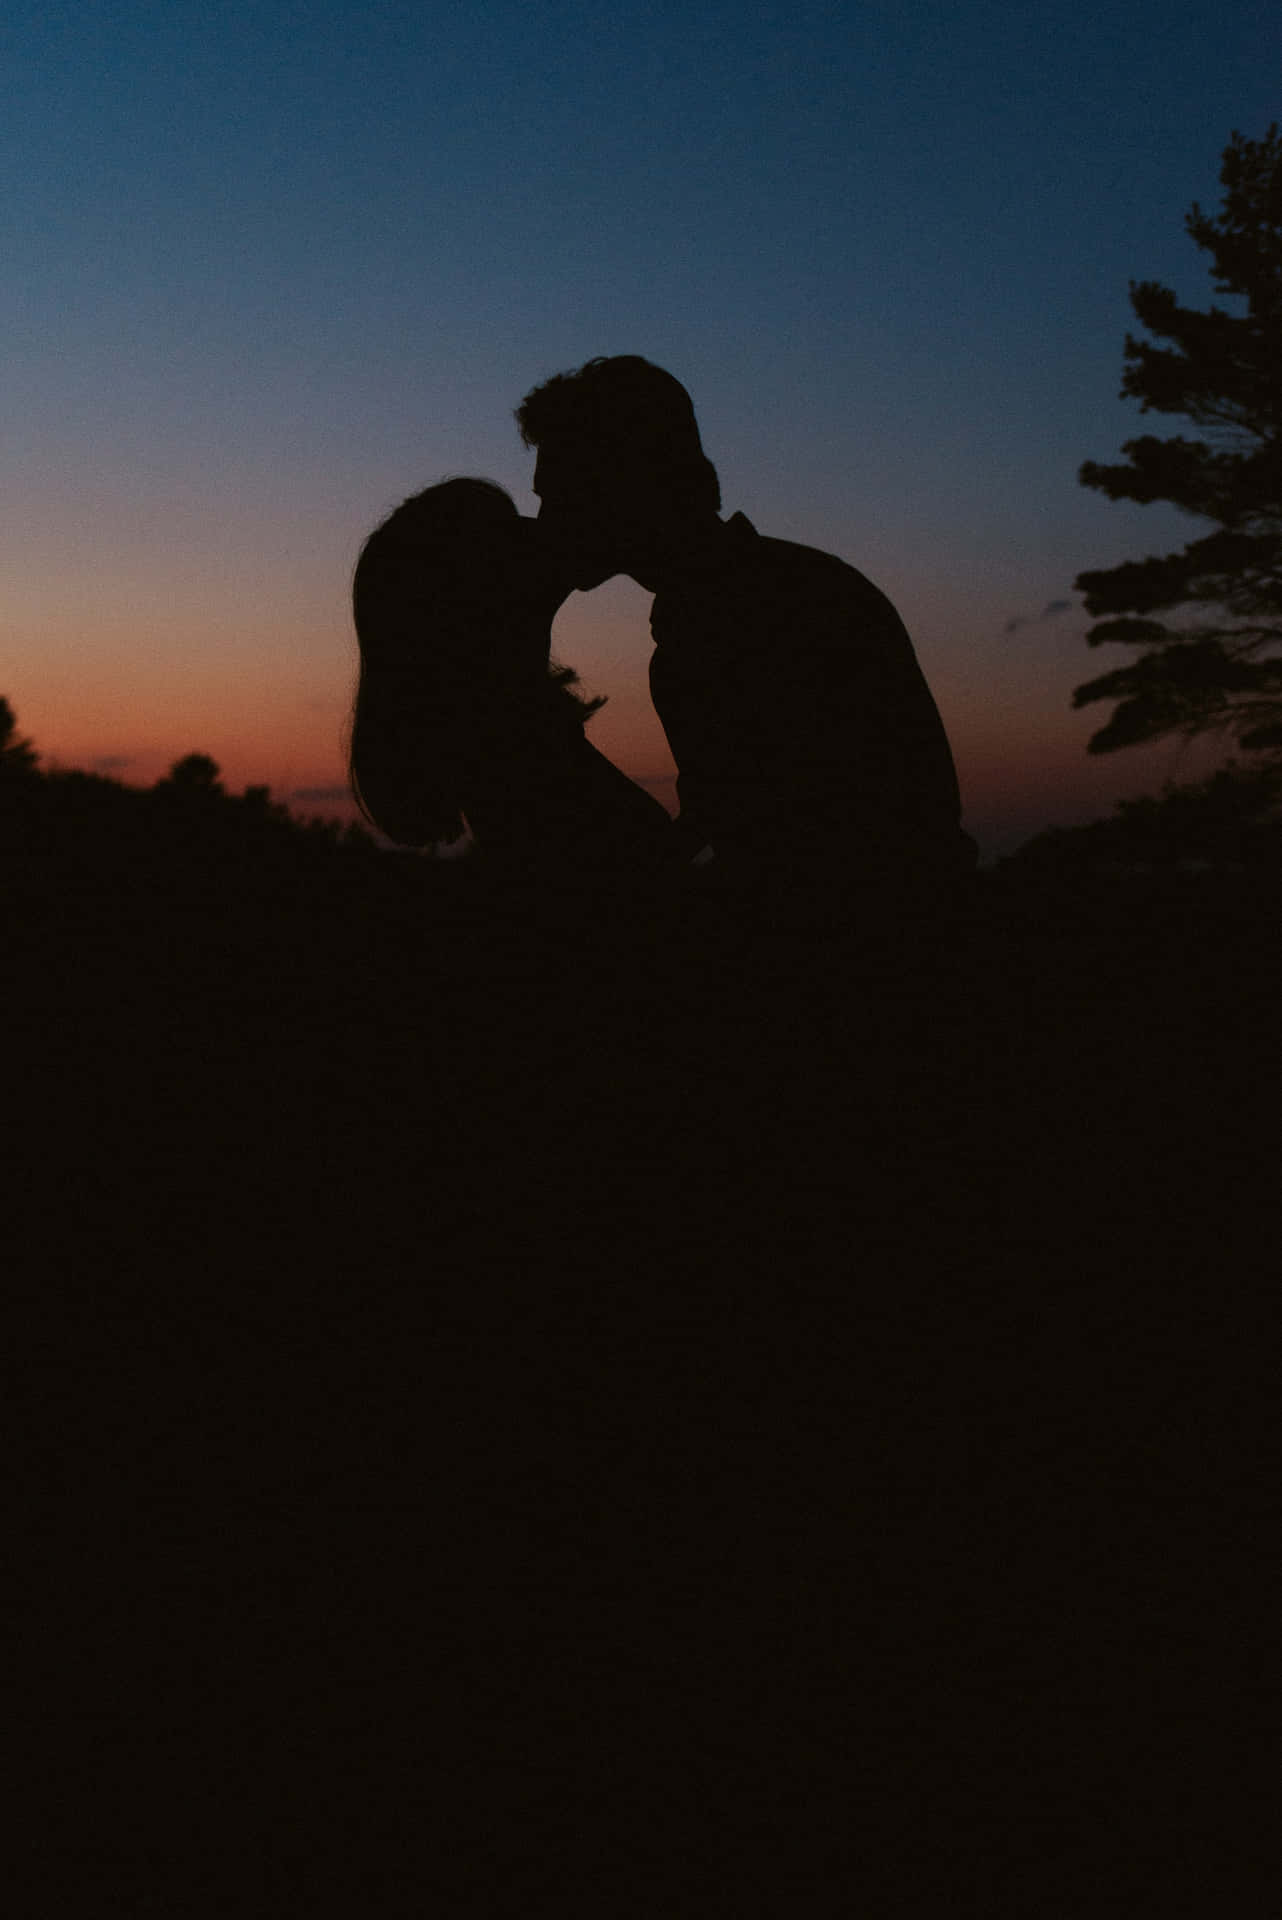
<point x="707" y="560"/>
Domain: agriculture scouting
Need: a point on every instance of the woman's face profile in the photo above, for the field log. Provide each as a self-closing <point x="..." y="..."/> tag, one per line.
<point x="543" y="565"/>
<point x="494" y="605"/>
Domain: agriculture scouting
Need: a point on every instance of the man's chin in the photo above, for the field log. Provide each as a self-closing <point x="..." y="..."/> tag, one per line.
<point x="586" y="578"/>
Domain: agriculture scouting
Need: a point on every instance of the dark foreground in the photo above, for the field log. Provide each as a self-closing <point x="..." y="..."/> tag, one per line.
<point x="535" y="1403"/>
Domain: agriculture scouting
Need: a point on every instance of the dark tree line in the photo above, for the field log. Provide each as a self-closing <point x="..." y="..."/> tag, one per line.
<point x="1232" y="819"/>
<point x="191" y="797"/>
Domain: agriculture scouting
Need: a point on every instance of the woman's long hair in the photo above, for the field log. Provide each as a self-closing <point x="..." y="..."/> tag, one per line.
<point x="436" y="664"/>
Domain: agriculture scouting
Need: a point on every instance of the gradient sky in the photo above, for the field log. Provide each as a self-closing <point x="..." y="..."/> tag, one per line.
<point x="268" y="268"/>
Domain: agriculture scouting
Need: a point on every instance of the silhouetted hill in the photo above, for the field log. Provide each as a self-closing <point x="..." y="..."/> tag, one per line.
<point x="560" y="1394"/>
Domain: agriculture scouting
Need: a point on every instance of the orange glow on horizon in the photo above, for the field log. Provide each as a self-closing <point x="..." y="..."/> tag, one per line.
<point x="128" y="701"/>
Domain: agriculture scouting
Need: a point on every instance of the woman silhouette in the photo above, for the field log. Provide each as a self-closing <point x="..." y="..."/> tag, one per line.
<point x="462" y="720"/>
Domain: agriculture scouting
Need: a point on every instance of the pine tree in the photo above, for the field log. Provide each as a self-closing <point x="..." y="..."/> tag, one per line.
<point x="1207" y="620"/>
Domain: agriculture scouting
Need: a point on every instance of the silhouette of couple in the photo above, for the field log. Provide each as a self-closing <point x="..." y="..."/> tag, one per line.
<point x="812" y="762"/>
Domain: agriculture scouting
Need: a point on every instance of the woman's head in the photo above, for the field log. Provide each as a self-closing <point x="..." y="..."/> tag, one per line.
<point x="453" y="605"/>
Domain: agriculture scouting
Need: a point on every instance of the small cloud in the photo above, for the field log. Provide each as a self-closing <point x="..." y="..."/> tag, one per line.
<point x="110" y="762"/>
<point x="321" y="793"/>
<point x="1048" y="612"/>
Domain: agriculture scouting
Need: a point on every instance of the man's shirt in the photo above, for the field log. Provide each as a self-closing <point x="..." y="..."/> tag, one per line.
<point x="802" y="727"/>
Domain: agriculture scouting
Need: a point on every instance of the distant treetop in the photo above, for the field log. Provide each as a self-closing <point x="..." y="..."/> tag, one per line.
<point x="17" y="756"/>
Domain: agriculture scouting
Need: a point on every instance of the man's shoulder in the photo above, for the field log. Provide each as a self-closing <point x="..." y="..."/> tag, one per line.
<point x="799" y="572"/>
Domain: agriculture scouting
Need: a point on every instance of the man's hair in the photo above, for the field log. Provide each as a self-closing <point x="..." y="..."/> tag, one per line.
<point x="623" y="408"/>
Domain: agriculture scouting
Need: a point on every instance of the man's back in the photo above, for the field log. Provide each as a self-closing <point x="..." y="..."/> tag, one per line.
<point x="805" y="736"/>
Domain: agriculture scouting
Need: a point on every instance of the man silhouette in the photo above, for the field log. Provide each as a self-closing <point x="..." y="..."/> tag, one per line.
<point x="811" y="757"/>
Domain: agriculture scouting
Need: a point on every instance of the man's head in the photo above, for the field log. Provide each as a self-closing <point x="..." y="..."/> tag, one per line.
<point x="621" y="473"/>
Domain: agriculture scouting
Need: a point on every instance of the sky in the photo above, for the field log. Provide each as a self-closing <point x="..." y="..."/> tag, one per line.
<point x="270" y="267"/>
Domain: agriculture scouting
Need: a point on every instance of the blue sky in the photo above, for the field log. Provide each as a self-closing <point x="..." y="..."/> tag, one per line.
<point x="271" y="267"/>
